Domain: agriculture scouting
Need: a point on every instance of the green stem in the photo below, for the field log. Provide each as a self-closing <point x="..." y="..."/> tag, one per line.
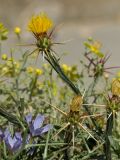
<point x="32" y="86"/>
<point x="46" y="146"/>
<point x="4" y="150"/>
<point x="0" y="48"/>
<point x="109" y="127"/>
<point x="43" y="144"/>
<point x="54" y="63"/>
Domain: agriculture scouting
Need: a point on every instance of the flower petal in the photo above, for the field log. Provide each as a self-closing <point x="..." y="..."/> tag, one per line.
<point x="37" y="132"/>
<point x="28" y="118"/>
<point x="17" y="145"/>
<point x="13" y="143"/>
<point x="18" y="136"/>
<point x="6" y="133"/>
<point x="31" y="129"/>
<point x="38" y="121"/>
<point x="10" y="142"/>
<point x="46" y="128"/>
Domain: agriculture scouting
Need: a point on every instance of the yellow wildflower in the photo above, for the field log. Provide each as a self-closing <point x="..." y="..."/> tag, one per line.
<point x="4" y="57"/>
<point x="39" y="24"/>
<point x="71" y="72"/>
<point x="30" y="69"/>
<point x="39" y="85"/>
<point x="116" y="87"/>
<point x="16" y="64"/>
<point x="17" y="30"/>
<point x="69" y="68"/>
<point x="38" y="71"/>
<point x="10" y="62"/>
<point x="11" y="59"/>
<point x="5" y="70"/>
<point x="94" y="47"/>
<point x="66" y="68"/>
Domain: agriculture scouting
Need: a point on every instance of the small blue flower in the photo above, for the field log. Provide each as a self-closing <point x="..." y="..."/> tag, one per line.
<point x="35" y="125"/>
<point x="13" y="143"/>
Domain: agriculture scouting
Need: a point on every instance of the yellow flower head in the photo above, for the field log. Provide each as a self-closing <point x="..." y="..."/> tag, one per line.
<point x="38" y="71"/>
<point x="39" y="24"/>
<point x="39" y="84"/>
<point x="30" y="69"/>
<point x="94" y="47"/>
<point x="5" y="70"/>
<point x="16" y="64"/>
<point x="4" y="57"/>
<point x="116" y="87"/>
<point x="66" y="68"/>
<point x="17" y="30"/>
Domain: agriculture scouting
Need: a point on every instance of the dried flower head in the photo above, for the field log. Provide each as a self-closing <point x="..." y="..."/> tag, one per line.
<point x="116" y="87"/>
<point x="76" y="103"/>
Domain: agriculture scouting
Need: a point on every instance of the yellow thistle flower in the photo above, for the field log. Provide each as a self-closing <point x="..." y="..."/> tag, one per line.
<point x="17" y="30"/>
<point x="39" y="24"/>
<point x="5" y="70"/>
<point x="38" y="71"/>
<point x="94" y="47"/>
<point x="4" y="57"/>
<point x="116" y="87"/>
<point x="30" y="69"/>
<point x="17" y="65"/>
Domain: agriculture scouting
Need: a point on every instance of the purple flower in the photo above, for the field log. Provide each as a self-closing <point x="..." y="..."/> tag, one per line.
<point x="13" y="143"/>
<point x="35" y="125"/>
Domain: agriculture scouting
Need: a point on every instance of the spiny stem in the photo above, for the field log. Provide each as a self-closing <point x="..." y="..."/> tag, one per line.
<point x="64" y="113"/>
<point x="54" y="63"/>
<point x="87" y="131"/>
<point x="65" y="126"/>
<point x="109" y="128"/>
